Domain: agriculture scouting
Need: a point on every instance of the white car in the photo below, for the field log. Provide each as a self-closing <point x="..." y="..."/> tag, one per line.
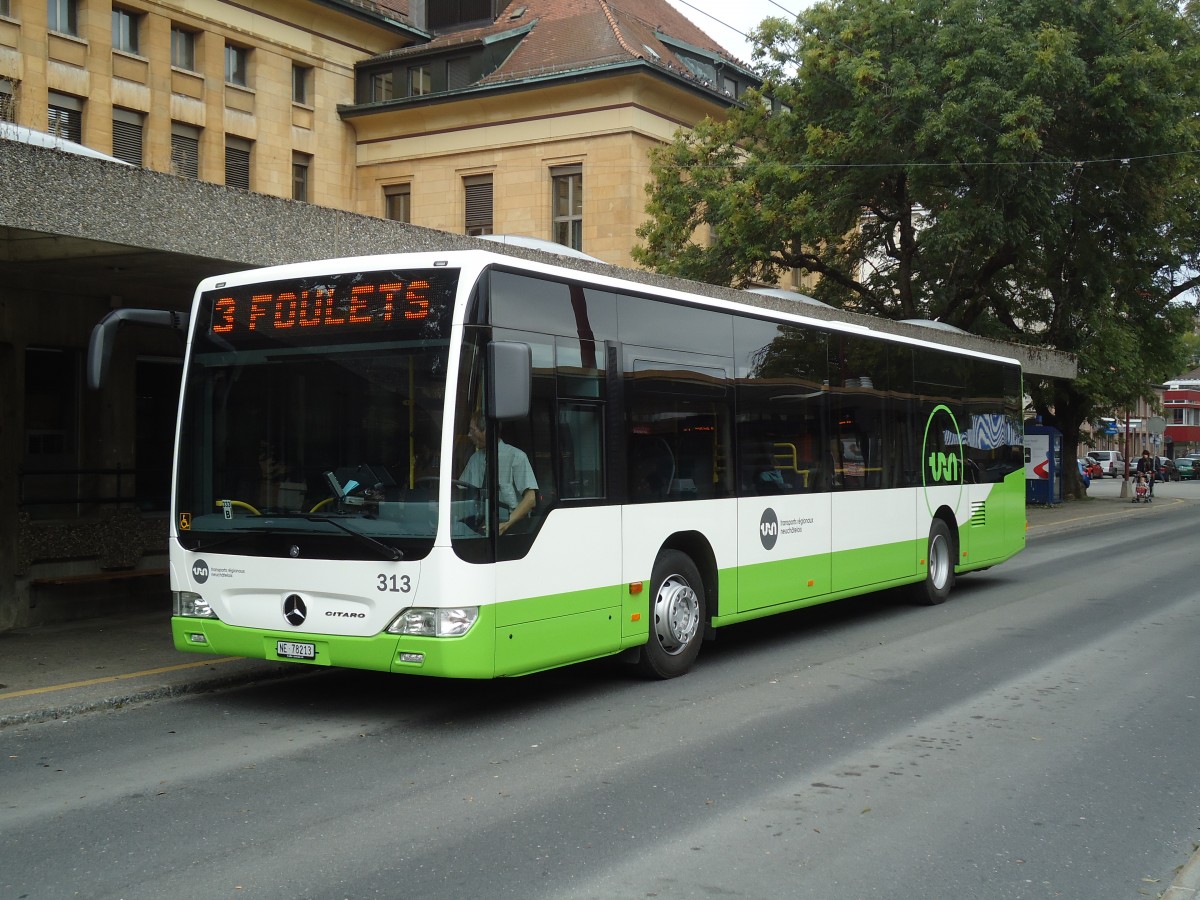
<point x="1111" y="462"/>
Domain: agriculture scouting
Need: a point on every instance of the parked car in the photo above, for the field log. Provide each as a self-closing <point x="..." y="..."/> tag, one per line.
<point x="1187" y="468"/>
<point x="1167" y="470"/>
<point x="1091" y="468"/>
<point x="1111" y="462"/>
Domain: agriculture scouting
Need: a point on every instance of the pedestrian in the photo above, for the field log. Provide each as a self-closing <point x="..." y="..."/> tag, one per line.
<point x="1145" y="469"/>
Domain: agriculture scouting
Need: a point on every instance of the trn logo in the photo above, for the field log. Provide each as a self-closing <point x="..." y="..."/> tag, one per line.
<point x="768" y="528"/>
<point x="200" y="571"/>
<point x="944" y="467"/>
<point x="942" y="459"/>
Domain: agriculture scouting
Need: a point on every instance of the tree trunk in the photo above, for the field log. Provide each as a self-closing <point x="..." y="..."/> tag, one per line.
<point x="1069" y="412"/>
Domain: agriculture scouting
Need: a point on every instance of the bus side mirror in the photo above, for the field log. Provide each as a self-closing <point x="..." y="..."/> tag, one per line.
<point x="509" y="379"/>
<point x="105" y="334"/>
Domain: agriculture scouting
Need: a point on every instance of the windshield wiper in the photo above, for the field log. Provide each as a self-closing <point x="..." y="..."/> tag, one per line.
<point x="391" y="553"/>
<point x="204" y="547"/>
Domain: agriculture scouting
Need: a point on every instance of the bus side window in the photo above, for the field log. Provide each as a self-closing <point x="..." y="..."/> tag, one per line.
<point x="783" y="402"/>
<point x="581" y="451"/>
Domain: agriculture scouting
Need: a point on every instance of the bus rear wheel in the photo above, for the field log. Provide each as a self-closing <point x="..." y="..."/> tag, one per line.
<point x="939" y="566"/>
<point x="677" y="616"/>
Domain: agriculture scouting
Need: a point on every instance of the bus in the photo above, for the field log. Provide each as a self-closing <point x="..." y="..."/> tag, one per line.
<point x="468" y="464"/>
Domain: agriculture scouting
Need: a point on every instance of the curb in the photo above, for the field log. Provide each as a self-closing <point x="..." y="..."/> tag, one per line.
<point x="1186" y="885"/>
<point x="159" y="692"/>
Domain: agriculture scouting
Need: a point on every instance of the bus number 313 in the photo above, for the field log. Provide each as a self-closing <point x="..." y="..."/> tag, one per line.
<point x="396" y="584"/>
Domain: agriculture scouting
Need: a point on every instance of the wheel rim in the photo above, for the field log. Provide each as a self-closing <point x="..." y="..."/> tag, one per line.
<point x="939" y="561"/>
<point x="676" y="614"/>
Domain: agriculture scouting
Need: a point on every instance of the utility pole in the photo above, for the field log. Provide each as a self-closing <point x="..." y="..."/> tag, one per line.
<point x="1125" y="479"/>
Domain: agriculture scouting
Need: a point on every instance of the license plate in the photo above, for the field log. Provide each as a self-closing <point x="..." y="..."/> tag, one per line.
<point x="294" y="650"/>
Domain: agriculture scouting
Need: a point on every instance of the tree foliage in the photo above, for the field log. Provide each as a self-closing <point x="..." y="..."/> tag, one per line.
<point x="1023" y="169"/>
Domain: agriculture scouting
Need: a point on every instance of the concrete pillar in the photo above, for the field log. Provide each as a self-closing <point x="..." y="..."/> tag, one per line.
<point x="11" y="612"/>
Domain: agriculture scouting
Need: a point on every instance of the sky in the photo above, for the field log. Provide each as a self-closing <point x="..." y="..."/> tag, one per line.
<point x="743" y="16"/>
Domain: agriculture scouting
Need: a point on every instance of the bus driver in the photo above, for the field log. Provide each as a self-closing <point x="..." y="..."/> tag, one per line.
<point x="518" y="487"/>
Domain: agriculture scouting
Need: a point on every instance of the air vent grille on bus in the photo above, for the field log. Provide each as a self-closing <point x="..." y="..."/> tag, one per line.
<point x="978" y="513"/>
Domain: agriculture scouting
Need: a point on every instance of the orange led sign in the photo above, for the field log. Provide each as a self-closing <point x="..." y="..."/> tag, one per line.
<point x="362" y="306"/>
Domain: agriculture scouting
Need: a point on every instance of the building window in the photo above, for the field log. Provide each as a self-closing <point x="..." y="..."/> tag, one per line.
<point x="183" y="48"/>
<point x="301" y="164"/>
<point x="8" y="100"/>
<point x="125" y="28"/>
<point x="185" y="150"/>
<point x="5" y="8"/>
<point x="381" y="86"/>
<point x="237" y="65"/>
<point x="567" y="189"/>
<point x="419" y="81"/>
<point x="62" y="16"/>
<point x="127" y="135"/>
<point x="397" y="202"/>
<point x="301" y="81"/>
<point x="478" y="189"/>
<point x="65" y="117"/>
<point x="237" y="163"/>
<point x="451" y="13"/>
<point x="458" y="73"/>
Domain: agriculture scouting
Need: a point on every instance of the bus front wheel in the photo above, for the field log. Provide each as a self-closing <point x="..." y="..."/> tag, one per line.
<point x="677" y="615"/>
<point x="939" y="566"/>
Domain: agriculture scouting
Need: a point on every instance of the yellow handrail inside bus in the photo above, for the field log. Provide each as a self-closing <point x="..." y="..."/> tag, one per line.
<point x="220" y="504"/>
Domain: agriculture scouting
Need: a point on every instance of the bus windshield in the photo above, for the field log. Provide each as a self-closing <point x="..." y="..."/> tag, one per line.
<point x="311" y="416"/>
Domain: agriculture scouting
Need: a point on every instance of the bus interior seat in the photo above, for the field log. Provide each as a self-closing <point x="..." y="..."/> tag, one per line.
<point x="653" y="469"/>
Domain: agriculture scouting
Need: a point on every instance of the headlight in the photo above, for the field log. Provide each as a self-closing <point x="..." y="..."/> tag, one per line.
<point x="454" y="622"/>
<point x="191" y="604"/>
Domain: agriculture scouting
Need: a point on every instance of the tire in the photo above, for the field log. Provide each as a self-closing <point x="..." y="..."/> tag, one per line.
<point x="939" y="566"/>
<point x="678" y="612"/>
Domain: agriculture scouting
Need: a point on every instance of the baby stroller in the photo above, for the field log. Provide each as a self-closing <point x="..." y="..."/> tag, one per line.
<point x="1141" y="488"/>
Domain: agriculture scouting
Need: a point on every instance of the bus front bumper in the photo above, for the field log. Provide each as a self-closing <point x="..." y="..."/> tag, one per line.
<point x="471" y="656"/>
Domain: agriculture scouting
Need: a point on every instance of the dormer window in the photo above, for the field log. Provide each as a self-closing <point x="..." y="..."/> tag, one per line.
<point x="420" y="82"/>
<point x="450" y="14"/>
<point x="381" y="87"/>
<point x="704" y="69"/>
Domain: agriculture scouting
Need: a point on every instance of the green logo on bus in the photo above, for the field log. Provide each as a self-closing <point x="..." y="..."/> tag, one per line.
<point x="944" y="467"/>
<point x="942" y="458"/>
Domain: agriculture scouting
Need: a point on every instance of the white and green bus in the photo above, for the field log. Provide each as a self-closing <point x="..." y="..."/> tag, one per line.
<point x="471" y="465"/>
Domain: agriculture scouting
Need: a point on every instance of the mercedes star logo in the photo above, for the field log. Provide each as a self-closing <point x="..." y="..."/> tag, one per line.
<point x="294" y="610"/>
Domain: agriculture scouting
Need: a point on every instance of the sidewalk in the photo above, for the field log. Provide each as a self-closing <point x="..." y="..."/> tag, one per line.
<point x="1079" y="513"/>
<point x="58" y="670"/>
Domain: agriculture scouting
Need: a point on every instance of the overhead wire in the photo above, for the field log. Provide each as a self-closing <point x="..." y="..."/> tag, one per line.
<point x="725" y="24"/>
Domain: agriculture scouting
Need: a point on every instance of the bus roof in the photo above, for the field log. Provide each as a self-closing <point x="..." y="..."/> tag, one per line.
<point x="668" y="288"/>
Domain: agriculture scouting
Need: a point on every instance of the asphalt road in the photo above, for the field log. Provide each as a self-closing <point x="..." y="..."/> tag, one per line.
<point x="1034" y="737"/>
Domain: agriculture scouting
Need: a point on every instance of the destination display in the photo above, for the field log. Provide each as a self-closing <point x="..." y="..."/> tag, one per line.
<point x="353" y="304"/>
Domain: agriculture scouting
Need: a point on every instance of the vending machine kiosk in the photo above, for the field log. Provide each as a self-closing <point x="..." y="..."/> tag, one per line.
<point x="1043" y="464"/>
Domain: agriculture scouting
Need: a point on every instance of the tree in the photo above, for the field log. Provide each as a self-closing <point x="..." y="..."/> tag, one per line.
<point x="1023" y="169"/>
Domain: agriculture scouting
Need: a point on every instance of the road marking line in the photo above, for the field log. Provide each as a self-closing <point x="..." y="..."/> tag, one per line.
<point x="110" y="678"/>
